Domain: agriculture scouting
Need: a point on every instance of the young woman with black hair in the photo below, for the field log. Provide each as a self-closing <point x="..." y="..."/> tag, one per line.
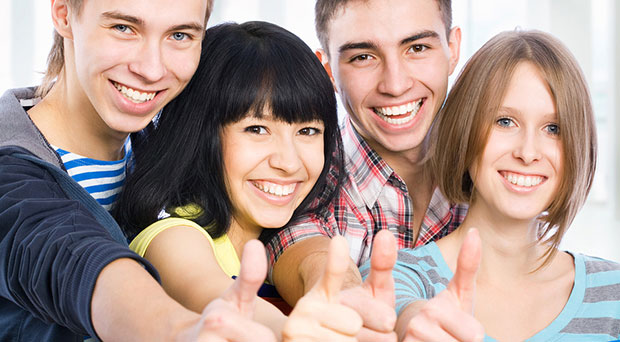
<point x="246" y="146"/>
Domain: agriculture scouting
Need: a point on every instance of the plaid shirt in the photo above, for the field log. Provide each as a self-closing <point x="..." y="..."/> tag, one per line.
<point x="372" y="197"/>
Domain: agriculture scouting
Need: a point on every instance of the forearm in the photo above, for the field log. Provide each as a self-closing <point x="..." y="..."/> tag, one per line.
<point x="129" y="305"/>
<point x="301" y="266"/>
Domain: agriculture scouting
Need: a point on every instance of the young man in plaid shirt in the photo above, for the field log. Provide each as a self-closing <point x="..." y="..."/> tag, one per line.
<point x="389" y="60"/>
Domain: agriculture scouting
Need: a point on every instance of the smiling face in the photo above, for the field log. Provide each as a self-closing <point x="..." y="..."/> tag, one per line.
<point x="519" y="171"/>
<point x="130" y="58"/>
<point x="390" y="60"/>
<point x="270" y="166"/>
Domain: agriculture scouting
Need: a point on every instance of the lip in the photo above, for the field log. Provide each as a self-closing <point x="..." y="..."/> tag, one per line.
<point x="518" y="188"/>
<point x="138" y="109"/>
<point x="274" y="199"/>
<point x="400" y="127"/>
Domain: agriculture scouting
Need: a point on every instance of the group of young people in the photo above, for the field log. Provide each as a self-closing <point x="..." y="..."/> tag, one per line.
<point x="136" y="179"/>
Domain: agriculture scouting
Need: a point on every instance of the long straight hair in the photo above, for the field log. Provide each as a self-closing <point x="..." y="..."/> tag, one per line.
<point x="243" y="69"/>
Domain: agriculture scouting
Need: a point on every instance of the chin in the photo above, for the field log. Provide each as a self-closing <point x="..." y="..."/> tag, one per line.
<point x="273" y="224"/>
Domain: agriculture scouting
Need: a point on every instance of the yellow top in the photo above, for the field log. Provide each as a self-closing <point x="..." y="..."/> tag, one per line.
<point x="223" y="248"/>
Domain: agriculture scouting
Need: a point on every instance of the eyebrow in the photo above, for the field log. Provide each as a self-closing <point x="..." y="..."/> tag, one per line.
<point x="139" y="22"/>
<point x="356" y="46"/>
<point x="418" y="36"/>
<point x="514" y="111"/>
<point x="120" y="16"/>
<point x="372" y="46"/>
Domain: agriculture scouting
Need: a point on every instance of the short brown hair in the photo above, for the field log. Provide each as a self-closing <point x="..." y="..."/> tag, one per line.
<point x="56" y="56"/>
<point x="325" y="10"/>
<point x="464" y="124"/>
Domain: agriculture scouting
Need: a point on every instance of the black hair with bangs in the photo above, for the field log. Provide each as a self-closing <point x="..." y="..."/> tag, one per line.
<point x="243" y="69"/>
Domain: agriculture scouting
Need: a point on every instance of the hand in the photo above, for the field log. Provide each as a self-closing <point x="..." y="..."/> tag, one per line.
<point x="374" y="299"/>
<point x="318" y="315"/>
<point x="449" y="315"/>
<point x="229" y="318"/>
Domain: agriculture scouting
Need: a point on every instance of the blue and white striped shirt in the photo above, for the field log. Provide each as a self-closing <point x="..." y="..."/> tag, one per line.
<point x="102" y="179"/>
<point x="592" y="312"/>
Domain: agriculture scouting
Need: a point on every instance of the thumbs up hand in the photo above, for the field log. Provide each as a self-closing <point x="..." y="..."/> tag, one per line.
<point x="229" y="318"/>
<point x="374" y="299"/>
<point x="319" y="316"/>
<point x="449" y="315"/>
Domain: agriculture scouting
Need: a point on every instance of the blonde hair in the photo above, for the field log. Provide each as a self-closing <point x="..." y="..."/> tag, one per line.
<point x="464" y="124"/>
<point x="56" y="56"/>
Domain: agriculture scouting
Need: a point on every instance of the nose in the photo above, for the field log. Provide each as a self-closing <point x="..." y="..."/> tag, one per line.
<point x="396" y="77"/>
<point x="528" y="147"/>
<point x="148" y="63"/>
<point x="285" y="156"/>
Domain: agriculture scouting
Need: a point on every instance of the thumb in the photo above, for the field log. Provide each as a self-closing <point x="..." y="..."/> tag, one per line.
<point x="337" y="265"/>
<point x="463" y="284"/>
<point x="252" y="275"/>
<point x="380" y="280"/>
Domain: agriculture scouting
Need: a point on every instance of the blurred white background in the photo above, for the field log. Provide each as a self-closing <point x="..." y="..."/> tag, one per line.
<point x="591" y="29"/>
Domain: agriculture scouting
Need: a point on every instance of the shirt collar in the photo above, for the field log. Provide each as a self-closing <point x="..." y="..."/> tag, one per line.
<point x="369" y="171"/>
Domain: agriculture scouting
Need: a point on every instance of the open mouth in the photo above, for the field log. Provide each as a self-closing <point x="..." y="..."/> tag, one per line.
<point x="399" y="115"/>
<point x="133" y="95"/>
<point x="522" y="180"/>
<point x="275" y="189"/>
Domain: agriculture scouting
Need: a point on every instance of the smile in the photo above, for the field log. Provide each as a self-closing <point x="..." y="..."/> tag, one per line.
<point x="399" y="115"/>
<point x="522" y="180"/>
<point x="133" y="95"/>
<point x="275" y="189"/>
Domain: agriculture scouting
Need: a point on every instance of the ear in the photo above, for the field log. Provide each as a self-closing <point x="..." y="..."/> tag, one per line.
<point x="61" y="14"/>
<point x="454" y="44"/>
<point x="322" y="56"/>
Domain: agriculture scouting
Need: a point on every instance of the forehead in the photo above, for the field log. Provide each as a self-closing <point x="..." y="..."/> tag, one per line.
<point x="167" y="12"/>
<point x="528" y="91"/>
<point x="384" y="21"/>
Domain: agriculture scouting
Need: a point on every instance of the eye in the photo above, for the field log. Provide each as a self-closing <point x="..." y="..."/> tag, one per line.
<point x="418" y="48"/>
<point x="505" y="122"/>
<point x="309" y="131"/>
<point x="256" y="129"/>
<point x="361" y="58"/>
<point x="180" y="36"/>
<point x="553" y="129"/>
<point x="122" y="28"/>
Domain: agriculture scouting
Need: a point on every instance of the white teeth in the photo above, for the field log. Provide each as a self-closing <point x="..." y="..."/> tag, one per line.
<point x="134" y="95"/>
<point x="275" y="189"/>
<point x="400" y="110"/>
<point x="410" y="108"/>
<point x="521" y="180"/>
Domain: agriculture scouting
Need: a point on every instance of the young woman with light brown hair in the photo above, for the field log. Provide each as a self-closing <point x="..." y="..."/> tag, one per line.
<point x="516" y="140"/>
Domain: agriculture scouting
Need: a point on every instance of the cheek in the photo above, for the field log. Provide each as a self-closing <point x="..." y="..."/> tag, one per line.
<point x="183" y="63"/>
<point x="313" y="158"/>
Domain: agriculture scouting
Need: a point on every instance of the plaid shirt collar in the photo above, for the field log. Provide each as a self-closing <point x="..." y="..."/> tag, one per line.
<point x="369" y="171"/>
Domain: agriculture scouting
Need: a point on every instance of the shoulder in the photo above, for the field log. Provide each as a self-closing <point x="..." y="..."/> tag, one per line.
<point x="425" y="255"/>
<point x="22" y="176"/>
<point x="171" y="232"/>
<point x="595" y="265"/>
<point x="425" y="264"/>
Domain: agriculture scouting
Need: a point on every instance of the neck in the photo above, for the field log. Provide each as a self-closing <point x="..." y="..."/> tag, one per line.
<point x="410" y="167"/>
<point x="68" y="120"/>
<point x="510" y="248"/>
<point x="240" y="233"/>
